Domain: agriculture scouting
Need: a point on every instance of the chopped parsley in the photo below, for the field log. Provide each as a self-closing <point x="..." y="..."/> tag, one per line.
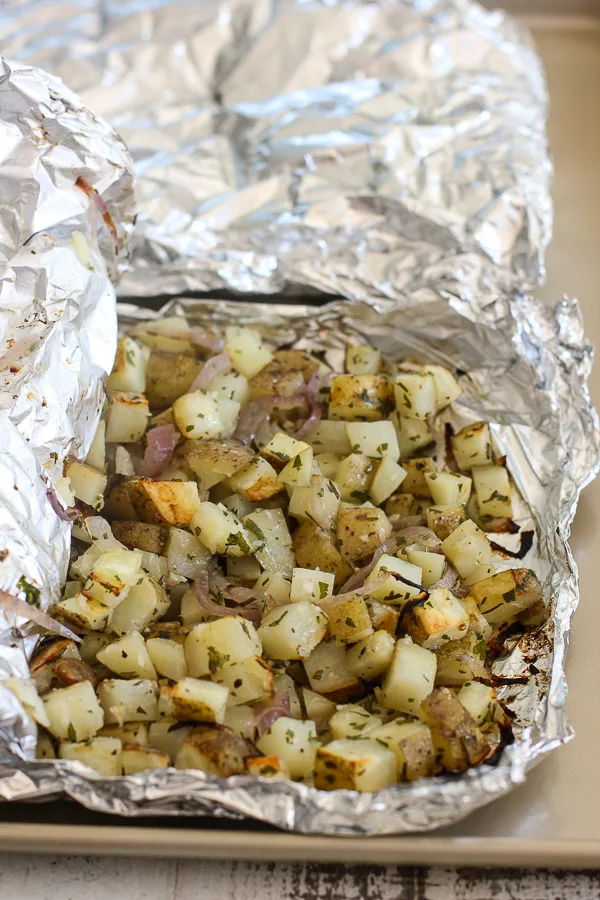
<point x="32" y="594"/>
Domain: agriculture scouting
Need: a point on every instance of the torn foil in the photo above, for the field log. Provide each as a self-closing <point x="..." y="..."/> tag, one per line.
<point x="57" y="330"/>
<point x="285" y="145"/>
<point x="525" y="367"/>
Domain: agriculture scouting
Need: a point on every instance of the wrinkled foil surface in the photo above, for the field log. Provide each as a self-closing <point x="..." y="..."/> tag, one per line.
<point x="280" y="145"/>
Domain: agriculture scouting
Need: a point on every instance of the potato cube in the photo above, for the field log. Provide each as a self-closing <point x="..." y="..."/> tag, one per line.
<point x="158" y="335"/>
<point x="140" y="759"/>
<point x="293" y="631"/>
<point x="354" y="765"/>
<point x="270" y="767"/>
<point x="96" y="457"/>
<point x="328" y="673"/>
<point x="316" y="547"/>
<point x="449" y="488"/>
<point x="87" y="484"/>
<point x="128" y="657"/>
<point x="211" y="645"/>
<point x="232" y="386"/>
<point x="328" y="463"/>
<point x="129" y="371"/>
<point x="141" y="536"/>
<point x="257" y="481"/>
<point x="298" y="472"/>
<point x="331" y="437"/>
<point x="281" y="449"/>
<point x="213" y="461"/>
<point x="354" y="476"/>
<point x="480" y="701"/>
<point x="145" y="602"/>
<point x="472" y="446"/>
<point x="492" y="489"/>
<point x="444" y="520"/>
<point x="506" y="594"/>
<point x="275" y="587"/>
<point x="387" y="478"/>
<point x="129" y="733"/>
<point x="221" y="531"/>
<point x="411" y="744"/>
<point x="400" y="505"/>
<point x="360" y="398"/>
<point x="247" y="681"/>
<point x="415" y="480"/>
<point x="349" y="621"/>
<point x="362" y="360"/>
<point x="168" y="736"/>
<point x="457" y="739"/>
<point x="102" y="754"/>
<point x="466" y="548"/>
<point x="415" y="395"/>
<point x="157" y="502"/>
<point x="26" y="693"/>
<point x="374" y="439"/>
<point x="370" y="657"/>
<point x="412" y="434"/>
<point x="402" y="584"/>
<point x="203" y="416"/>
<point x="278" y="379"/>
<point x="447" y="388"/>
<point x="361" y="531"/>
<point x="432" y="565"/>
<point x="196" y="700"/>
<point x="409" y="679"/>
<point x="319" y="709"/>
<point x="310" y="584"/>
<point x="461" y="661"/>
<point x="276" y="554"/>
<point x="439" y="618"/>
<point x="214" y="749"/>
<point x="293" y="742"/>
<point x="128" y="701"/>
<point x="168" y="377"/>
<point x="73" y="712"/>
<point x="114" y="572"/>
<point x="352" y="721"/>
<point x="246" y="350"/>
<point x="127" y="417"/>
<point x="80" y="611"/>
<point x="478" y="574"/>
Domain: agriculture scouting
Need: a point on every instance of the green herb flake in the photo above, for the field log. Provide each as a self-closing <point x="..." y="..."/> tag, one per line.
<point x="216" y="659"/>
<point x="32" y="594"/>
<point x="323" y="590"/>
<point x="289" y="736"/>
<point x="279" y="620"/>
<point x="189" y="427"/>
<point x="71" y="733"/>
<point x="350" y="622"/>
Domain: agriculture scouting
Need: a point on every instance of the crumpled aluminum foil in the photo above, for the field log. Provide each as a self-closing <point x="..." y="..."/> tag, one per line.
<point x="57" y="329"/>
<point x="282" y="145"/>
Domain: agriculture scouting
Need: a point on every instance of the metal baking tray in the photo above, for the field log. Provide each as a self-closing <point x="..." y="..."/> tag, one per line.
<point x="552" y="819"/>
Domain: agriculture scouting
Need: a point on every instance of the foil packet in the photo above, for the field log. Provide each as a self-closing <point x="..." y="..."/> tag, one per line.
<point x="338" y="146"/>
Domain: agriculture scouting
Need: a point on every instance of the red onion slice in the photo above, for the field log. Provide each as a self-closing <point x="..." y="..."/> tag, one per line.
<point x="448" y="580"/>
<point x="11" y="604"/>
<point x="212" y="368"/>
<point x="330" y="602"/>
<point x="159" y="449"/>
<point x="70" y="514"/>
<point x="201" y="585"/>
<point x="268" y="711"/>
<point x="416" y="534"/>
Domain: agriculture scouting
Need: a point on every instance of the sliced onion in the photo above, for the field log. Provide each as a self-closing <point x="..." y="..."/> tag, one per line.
<point x="159" y="450"/>
<point x="416" y="534"/>
<point x="212" y="368"/>
<point x="402" y="522"/>
<point x="330" y="602"/>
<point x="448" y="580"/>
<point x="123" y="462"/>
<point x="213" y="579"/>
<point x="268" y="711"/>
<point x="11" y="604"/>
<point x="355" y="581"/>
<point x="202" y="338"/>
<point x="252" y="417"/>
<point x="67" y="515"/>
<point x="205" y="602"/>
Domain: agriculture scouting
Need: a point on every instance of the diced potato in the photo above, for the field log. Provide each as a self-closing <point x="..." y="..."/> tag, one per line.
<point x="318" y="708"/>
<point x="466" y="548"/>
<point x="128" y="657"/>
<point x="202" y="416"/>
<point x="432" y="565"/>
<point x="96" y="457"/>
<point x="356" y="398"/>
<point x="352" y="721"/>
<point x="247" y="681"/>
<point x="478" y="574"/>
<point x="415" y="480"/>
<point x="257" y="481"/>
<point x="145" y="602"/>
<point x="311" y="584"/>
<point x="246" y="568"/>
<point x="127" y="417"/>
<point x="472" y="446"/>
<point x="168" y="736"/>
<point x="231" y="385"/>
<point x="246" y="350"/>
<point x="449" y="488"/>
<point x="214" y="749"/>
<point x="128" y="701"/>
<point x="281" y="449"/>
<point x="102" y="754"/>
<point x="328" y="673"/>
<point x="354" y="476"/>
<point x="238" y="505"/>
<point x="349" y="621"/>
<point x="157" y="335"/>
<point x="211" y="645"/>
<point x="293" y="742"/>
<point x="157" y="502"/>
<point x="213" y="461"/>
<point x="362" y="360"/>
<point x="129" y="371"/>
<point x="328" y="463"/>
<point x="221" y="531"/>
<point x="506" y="594"/>
<point x="74" y="713"/>
<point x="316" y="547"/>
<point x="400" y="505"/>
<point x="240" y="719"/>
<point x="168" y="377"/>
<point x="411" y="744"/>
<point x="140" y="759"/>
<point x="461" y="661"/>
<point x="387" y="478"/>
<point x="361" y="531"/>
<point x="90" y="644"/>
<point x="196" y="700"/>
<point x="141" y="536"/>
<point x="185" y="554"/>
<point x="413" y="434"/>
<point x="480" y="701"/>
<point x="373" y="439"/>
<point x="80" y="611"/>
<point x="440" y="618"/>
<point x="444" y="520"/>
<point x="457" y="739"/>
<point x="87" y="484"/>
<point x="298" y="472"/>
<point x="415" y="395"/>
<point x="331" y="437"/>
<point x="274" y="586"/>
<point x="44" y="747"/>
<point x="129" y="733"/>
<point x="409" y="679"/>
<point x="492" y="489"/>
<point x="114" y="572"/>
<point x="276" y="554"/>
<point x="270" y="767"/>
<point x="26" y="693"/>
<point x="293" y="631"/>
<point x="402" y="585"/>
<point x="277" y="378"/>
<point x="370" y="657"/>
<point x="447" y="388"/>
<point x="354" y="765"/>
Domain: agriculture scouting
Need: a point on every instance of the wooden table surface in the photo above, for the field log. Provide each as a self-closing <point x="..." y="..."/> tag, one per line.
<point x="572" y="59"/>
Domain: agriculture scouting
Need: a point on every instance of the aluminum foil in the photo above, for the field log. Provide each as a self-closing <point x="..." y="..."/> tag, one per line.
<point x="336" y="145"/>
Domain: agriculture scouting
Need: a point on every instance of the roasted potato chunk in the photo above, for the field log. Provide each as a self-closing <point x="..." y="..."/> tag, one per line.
<point x="506" y="594"/>
<point x="443" y="520"/>
<point x="213" y="461"/>
<point x="458" y="741"/>
<point x="415" y="481"/>
<point x="411" y="744"/>
<point x="141" y="536"/>
<point x="354" y="765"/>
<point x="159" y="502"/>
<point x="315" y="548"/>
<point x="168" y="376"/>
<point x="361" y="531"/>
<point x="214" y="749"/>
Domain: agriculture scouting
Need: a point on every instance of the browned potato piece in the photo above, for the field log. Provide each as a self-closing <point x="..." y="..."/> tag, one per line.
<point x="168" y="631"/>
<point x="384" y="617"/>
<point x="399" y="505"/>
<point x="118" y="503"/>
<point x="412" y="746"/>
<point x="416" y="470"/>
<point x="315" y="549"/>
<point x="458" y="741"/>
<point x="156" y="502"/>
<point x="353" y="477"/>
<point x="361" y="531"/>
<point x="439" y="619"/>
<point x="141" y="536"/>
<point x="168" y="376"/>
<point x="443" y="520"/>
<point x="360" y="398"/>
<point x="214" y="749"/>
<point x="74" y="671"/>
<point x="349" y="621"/>
<point x="270" y="767"/>
<point x="461" y="661"/>
<point x="506" y="594"/>
<point x="285" y="375"/>
<point x="163" y="418"/>
<point x="213" y="461"/>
